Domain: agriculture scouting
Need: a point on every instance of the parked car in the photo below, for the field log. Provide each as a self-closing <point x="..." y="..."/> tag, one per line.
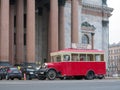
<point x="30" y="72"/>
<point x="12" y="73"/>
<point x="2" y="73"/>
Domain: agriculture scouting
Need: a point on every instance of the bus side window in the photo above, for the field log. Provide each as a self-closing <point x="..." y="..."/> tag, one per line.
<point x="66" y="58"/>
<point x="74" y="57"/>
<point x="58" y="58"/>
<point x="97" y="57"/>
<point x="90" y="57"/>
<point x="82" y="57"/>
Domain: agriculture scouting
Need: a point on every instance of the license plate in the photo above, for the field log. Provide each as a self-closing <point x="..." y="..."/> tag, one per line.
<point x="41" y="72"/>
<point x="31" y="72"/>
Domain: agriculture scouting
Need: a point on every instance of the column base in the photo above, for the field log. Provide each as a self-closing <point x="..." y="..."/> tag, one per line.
<point x="30" y="64"/>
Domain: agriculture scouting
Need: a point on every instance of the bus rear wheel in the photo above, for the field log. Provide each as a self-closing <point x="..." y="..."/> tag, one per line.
<point x="51" y="74"/>
<point x="90" y="75"/>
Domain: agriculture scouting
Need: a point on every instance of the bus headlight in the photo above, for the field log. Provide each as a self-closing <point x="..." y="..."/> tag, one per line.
<point x="44" y="65"/>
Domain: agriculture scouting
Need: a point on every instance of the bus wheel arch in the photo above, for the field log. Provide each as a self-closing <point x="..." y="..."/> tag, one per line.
<point x="90" y="75"/>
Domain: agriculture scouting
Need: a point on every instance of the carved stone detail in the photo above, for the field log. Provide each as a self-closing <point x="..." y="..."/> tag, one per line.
<point x="87" y="25"/>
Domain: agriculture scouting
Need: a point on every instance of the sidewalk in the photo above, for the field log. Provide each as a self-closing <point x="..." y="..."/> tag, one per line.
<point x="109" y="78"/>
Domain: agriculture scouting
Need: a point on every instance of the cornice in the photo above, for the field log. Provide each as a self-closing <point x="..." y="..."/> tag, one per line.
<point x="102" y="8"/>
<point x="97" y="7"/>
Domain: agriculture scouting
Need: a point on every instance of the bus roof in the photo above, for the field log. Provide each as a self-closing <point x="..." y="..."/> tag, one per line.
<point x="82" y="51"/>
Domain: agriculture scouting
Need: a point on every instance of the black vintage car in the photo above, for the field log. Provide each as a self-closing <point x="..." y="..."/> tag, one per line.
<point x="29" y="72"/>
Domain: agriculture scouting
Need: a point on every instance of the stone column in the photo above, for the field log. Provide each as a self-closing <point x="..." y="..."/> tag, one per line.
<point x="53" y="25"/>
<point x="61" y="28"/>
<point x="92" y="43"/>
<point x="30" y="47"/>
<point x="74" y="21"/>
<point x="11" y="35"/>
<point x="39" y="33"/>
<point x="45" y="32"/>
<point x="49" y="39"/>
<point x="20" y="31"/>
<point x="4" y="31"/>
<point x="0" y="30"/>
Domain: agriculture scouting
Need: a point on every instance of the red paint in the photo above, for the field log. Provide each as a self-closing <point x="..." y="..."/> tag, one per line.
<point x="78" y="68"/>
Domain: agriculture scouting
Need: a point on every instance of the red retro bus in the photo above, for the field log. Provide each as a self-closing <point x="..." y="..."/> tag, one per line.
<point x="74" y="63"/>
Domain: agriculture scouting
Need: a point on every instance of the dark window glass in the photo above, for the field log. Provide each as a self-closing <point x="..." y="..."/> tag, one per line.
<point x="85" y="39"/>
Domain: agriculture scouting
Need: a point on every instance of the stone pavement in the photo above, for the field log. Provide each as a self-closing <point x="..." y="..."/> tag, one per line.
<point x="109" y="78"/>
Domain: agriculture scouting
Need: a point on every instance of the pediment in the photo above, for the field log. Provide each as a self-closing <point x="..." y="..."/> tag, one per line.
<point x="88" y="26"/>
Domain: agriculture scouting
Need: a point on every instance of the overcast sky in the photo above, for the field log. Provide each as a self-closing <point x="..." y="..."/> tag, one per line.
<point x="114" y="21"/>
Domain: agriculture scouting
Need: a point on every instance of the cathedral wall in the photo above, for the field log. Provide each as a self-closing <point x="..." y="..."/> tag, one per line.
<point x="67" y="25"/>
<point x="96" y="21"/>
<point x="95" y="2"/>
<point x="93" y="20"/>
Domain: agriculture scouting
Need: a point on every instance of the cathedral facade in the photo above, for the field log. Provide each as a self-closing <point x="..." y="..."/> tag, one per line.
<point x="31" y="29"/>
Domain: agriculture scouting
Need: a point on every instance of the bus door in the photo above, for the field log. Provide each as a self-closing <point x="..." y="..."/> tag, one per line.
<point x="67" y="64"/>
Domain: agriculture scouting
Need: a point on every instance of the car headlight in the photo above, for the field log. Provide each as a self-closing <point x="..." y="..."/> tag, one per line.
<point x="44" y="65"/>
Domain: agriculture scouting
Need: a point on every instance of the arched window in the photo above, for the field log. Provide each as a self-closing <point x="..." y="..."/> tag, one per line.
<point x="85" y="39"/>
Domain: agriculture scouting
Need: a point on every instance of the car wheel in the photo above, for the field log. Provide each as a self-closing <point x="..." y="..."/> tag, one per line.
<point x="51" y="74"/>
<point x="90" y="75"/>
<point x="0" y="77"/>
<point x="12" y="78"/>
<point x="19" y="78"/>
<point x="28" y="77"/>
<point x="7" y="78"/>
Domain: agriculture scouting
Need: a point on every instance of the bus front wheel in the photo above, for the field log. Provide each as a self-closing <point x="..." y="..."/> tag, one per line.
<point x="51" y="74"/>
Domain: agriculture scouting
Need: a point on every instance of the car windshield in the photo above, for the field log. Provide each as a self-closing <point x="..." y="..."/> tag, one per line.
<point x="13" y="69"/>
<point x="30" y="69"/>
